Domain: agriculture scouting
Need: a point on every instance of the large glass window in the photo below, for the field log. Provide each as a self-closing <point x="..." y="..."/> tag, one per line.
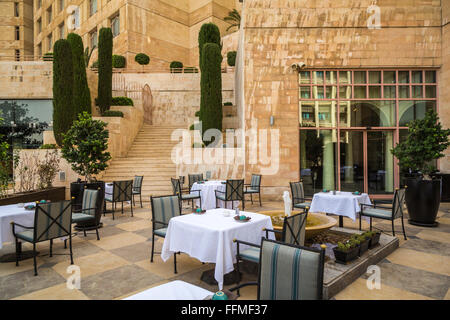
<point x="115" y="25"/>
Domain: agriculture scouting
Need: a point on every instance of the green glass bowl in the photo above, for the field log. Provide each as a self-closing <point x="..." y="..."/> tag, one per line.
<point x="220" y="295"/>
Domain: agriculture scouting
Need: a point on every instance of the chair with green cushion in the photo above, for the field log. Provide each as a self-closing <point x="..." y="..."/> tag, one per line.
<point x="386" y="212"/>
<point x="51" y="221"/>
<point x="137" y="188"/>
<point x="293" y="233"/>
<point x="298" y="196"/>
<point x="234" y="191"/>
<point x="193" y="178"/>
<point x="254" y="187"/>
<point x="288" y="272"/>
<point x="164" y="208"/>
<point x="188" y="195"/>
<point x="122" y="191"/>
<point x="89" y="207"/>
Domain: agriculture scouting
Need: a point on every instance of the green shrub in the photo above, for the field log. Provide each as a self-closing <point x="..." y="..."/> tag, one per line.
<point x="176" y="66"/>
<point x="197" y="114"/>
<point x="118" y="61"/>
<point x="231" y="58"/>
<point x="95" y="64"/>
<point x="48" y="146"/>
<point x="211" y="88"/>
<point x="192" y="127"/>
<point x="228" y="104"/>
<point x="63" y="115"/>
<point x="105" y="46"/>
<point x="190" y="70"/>
<point x="122" y="101"/>
<point x="81" y="93"/>
<point x="112" y="113"/>
<point x="142" y="59"/>
<point x="48" y="56"/>
<point x="209" y="33"/>
<point x="198" y="145"/>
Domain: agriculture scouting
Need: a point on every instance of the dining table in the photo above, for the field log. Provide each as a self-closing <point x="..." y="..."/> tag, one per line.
<point x="340" y="203"/>
<point x="173" y="290"/>
<point x="208" y="194"/>
<point x="209" y="236"/>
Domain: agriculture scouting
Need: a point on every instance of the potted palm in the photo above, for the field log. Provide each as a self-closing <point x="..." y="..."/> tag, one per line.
<point x="425" y="143"/>
<point x="84" y="147"/>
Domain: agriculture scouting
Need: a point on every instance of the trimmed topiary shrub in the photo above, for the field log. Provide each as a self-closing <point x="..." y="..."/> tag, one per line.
<point x="142" y="59"/>
<point x="209" y="33"/>
<point x="197" y="114"/>
<point x="118" y="61"/>
<point x="63" y="115"/>
<point x="105" y="45"/>
<point x="192" y="127"/>
<point x="228" y="104"/>
<point x="211" y="88"/>
<point x="176" y="66"/>
<point x="81" y="93"/>
<point x="112" y="113"/>
<point x="122" y="101"/>
<point x="231" y="58"/>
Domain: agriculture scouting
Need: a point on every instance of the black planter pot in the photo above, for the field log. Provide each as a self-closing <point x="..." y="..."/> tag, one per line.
<point x="423" y="198"/>
<point x="374" y="240"/>
<point x="76" y="193"/>
<point x="363" y="247"/>
<point x="344" y="257"/>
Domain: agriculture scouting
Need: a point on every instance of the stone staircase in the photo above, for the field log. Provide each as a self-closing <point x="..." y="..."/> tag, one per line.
<point x="150" y="156"/>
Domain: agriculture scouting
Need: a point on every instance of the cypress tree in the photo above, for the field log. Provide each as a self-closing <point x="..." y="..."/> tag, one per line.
<point x="81" y="93"/>
<point x="209" y="33"/>
<point x="105" y="46"/>
<point x="63" y="114"/>
<point x="211" y="88"/>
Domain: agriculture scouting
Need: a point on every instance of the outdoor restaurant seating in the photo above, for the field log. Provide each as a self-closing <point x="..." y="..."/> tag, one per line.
<point x="288" y="272"/>
<point x="254" y="187"/>
<point x="51" y="221"/>
<point x="298" y="196"/>
<point x="137" y="188"/>
<point x="121" y="192"/>
<point x="189" y="196"/>
<point x="386" y="212"/>
<point x="234" y="191"/>
<point x="163" y="209"/>
<point x="88" y="209"/>
<point x="193" y="178"/>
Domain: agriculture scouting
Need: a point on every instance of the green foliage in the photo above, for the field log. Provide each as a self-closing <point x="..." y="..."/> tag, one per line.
<point x="176" y="67"/>
<point x="234" y="18"/>
<point x="95" y="64"/>
<point x="231" y="58"/>
<point x="192" y="127"/>
<point x="105" y="46"/>
<point x="228" y="104"/>
<point x="426" y="141"/>
<point x="209" y="33"/>
<point x="48" y="146"/>
<point x="112" y="113"/>
<point x="63" y="114"/>
<point x="118" y="61"/>
<point x="88" y="55"/>
<point x="81" y="93"/>
<point x="142" y="59"/>
<point x="211" y="88"/>
<point x="47" y="168"/>
<point x="190" y="70"/>
<point x="85" y="146"/>
<point x="122" y="101"/>
<point x="369" y="234"/>
<point x="197" y="114"/>
<point x="5" y="165"/>
<point x="48" y="56"/>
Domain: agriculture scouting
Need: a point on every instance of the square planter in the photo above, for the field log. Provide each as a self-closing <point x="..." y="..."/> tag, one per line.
<point x="374" y="240"/>
<point x="363" y="247"/>
<point x="344" y="257"/>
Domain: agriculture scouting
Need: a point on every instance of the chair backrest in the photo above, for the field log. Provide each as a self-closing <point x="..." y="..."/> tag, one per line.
<point x="297" y="192"/>
<point x="398" y="202"/>
<point x="137" y="183"/>
<point x="176" y="186"/>
<point x="294" y="229"/>
<point x="89" y="204"/>
<point x="193" y="178"/>
<point x="256" y="181"/>
<point x="182" y="179"/>
<point x="163" y="209"/>
<point x="288" y="272"/>
<point x="52" y="220"/>
<point x="123" y="190"/>
<point x="234" y="190"/>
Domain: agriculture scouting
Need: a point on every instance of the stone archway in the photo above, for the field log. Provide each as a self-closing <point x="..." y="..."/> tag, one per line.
<point x="147" y="104"/>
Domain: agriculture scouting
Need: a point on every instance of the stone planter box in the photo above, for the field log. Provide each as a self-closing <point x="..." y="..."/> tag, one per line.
<point x="52" y="194"/>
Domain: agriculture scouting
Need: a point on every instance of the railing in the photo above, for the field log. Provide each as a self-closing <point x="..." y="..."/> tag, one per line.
<point x="187" y="70"/>
<point x="21" y="58"/>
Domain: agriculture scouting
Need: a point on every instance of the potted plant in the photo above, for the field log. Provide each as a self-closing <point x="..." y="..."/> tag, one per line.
<point x="346" y="251"/>
<point x="374" y="238"/>
<point x="363" y="243"/>
<point x="84" y="147"/>
<point x="425" y="143"/>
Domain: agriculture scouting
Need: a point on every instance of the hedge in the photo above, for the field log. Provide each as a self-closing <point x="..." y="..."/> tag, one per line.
<point x="190" y="70"/>
<point x="228" y="104"/>
<point x="175" y="67"/>
<point x="209" y="33"/>
<point x="122" y="101"/>
<point x="112" y="113"/>
<point x="142" y="59"/>
<point x="231" y="58"/>
<point x="118" y="61"/>
<point x="63" y="115"/>
<point x="105" y="45"/>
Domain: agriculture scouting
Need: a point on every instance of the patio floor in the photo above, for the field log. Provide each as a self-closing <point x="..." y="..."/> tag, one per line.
<point x="119" y="264"/>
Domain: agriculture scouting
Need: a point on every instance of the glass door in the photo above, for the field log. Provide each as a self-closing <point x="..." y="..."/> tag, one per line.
<point x="352" y="160"/>
<point x="380" y="162"/>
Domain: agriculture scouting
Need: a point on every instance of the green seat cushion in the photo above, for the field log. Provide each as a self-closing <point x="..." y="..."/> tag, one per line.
<point x="136" y="192"/>
<point x="250" y="190"/>
<point x="302" y="205"/>
<point x="189" y="196"/>
<point x="161" y="232"/>
<point x="250" y="254"/>
<point x="78" y="217"/>
<point x="220" y="196"/>
<point x="377" y="213"/>
<point x="26" y="235"/>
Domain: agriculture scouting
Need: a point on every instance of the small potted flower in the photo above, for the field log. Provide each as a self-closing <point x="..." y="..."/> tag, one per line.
<point x="363" y="243"/>
<point x="346" y="251"/>
<point x="374" y="238"/>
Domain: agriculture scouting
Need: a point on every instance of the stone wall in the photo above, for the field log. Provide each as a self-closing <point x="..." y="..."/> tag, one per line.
<point x="444" y="97"/>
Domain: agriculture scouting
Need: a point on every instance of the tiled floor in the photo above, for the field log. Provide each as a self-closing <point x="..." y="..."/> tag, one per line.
<point x="119" y="264"/>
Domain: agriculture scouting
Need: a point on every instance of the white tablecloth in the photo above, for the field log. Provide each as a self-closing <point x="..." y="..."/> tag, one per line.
<point x="208" y="194"/>
<point x="174" y="290"/>
<point x="342" y="204"/>
<point x="14" y="213"/>
<point x="109" y="189"/>
<point x="209" y="237"/>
